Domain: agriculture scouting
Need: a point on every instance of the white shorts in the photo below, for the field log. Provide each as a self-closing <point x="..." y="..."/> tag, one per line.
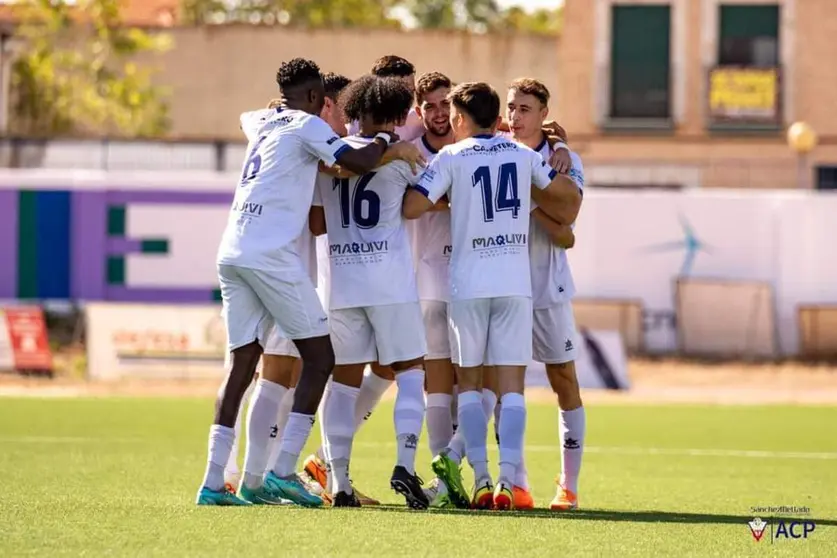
<point x="435" y="316"/>
<point x="491" y="331"/>
<point x="554" y="337"/>
<point x="254" y="301"/>
<point x="387" y="334"/>
<point x="277" y="345"/>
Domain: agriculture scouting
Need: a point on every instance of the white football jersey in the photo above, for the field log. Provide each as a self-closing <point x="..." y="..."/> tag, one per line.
<point x="251" y="123"/>
<point x="276" y="188"/>
<point x="431" y="245"/>
<point x="552" y="280"/>
<point x="488" y="180"/>
<point x="368" y="246"/>
<point x="412" y="129"/>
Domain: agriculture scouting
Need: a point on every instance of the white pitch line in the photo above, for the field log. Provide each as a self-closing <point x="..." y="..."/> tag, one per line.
<point x="605" y="450"/>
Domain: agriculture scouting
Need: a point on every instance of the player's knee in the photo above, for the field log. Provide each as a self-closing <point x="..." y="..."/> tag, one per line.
<point x="407" y="365"/>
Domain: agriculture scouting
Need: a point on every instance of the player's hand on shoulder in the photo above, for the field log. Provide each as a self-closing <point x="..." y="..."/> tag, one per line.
<point x="561" y="161"/>
<point x="274" y="103"/>
<point x="552" y="128"/>
<point x="409" y="153"/>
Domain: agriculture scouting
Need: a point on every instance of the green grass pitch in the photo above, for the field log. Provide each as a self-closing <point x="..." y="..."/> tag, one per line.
<point x="119" y="477"/>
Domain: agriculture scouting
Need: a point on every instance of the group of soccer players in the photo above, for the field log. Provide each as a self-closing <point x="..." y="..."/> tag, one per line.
<point x="444" y="271"/>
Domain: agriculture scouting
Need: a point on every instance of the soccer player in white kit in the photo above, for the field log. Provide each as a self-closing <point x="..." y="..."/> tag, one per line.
<point x="374" y="309"/>
<point x="431" y="243"/>
<point x="263" y="280"/>
<point x="555" y="340"/>
<point x="378" y="379"/>
<point x="273" y="395"/>
<point x="488" y="180"/>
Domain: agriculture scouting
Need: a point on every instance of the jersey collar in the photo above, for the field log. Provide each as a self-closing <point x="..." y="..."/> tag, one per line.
<point x="427" y="145"/>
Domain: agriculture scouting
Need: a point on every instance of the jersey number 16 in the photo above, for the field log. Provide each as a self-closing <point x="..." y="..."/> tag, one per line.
<point x="352" y="201"/>
<point x="506" y="198"/>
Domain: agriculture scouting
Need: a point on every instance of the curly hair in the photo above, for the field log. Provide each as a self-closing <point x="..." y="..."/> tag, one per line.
<point x="429" y="82"/>
<point x="296" y="72"/>
<point x="393" y="66"/>
<point x="334" y="84"/>
<point x="383" y="99"/>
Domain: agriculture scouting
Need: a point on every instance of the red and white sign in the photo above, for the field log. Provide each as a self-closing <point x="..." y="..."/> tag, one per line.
<point x="24" y="331"/>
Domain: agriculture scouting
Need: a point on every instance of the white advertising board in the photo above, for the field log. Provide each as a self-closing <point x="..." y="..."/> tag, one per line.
<point x="154" y="341"/>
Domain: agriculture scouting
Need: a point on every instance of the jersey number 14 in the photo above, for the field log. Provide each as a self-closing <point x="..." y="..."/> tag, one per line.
<point x="358" y="204"/>
<point x="505" y="198"/>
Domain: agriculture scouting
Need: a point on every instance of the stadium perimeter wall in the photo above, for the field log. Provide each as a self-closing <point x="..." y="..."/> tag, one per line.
<point x="132" y="237"/>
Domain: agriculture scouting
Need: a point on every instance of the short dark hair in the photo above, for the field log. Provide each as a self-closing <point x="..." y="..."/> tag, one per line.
<point x="393" y="66"/>
<point x="384" y="99"/>
<point x="429" y="82"/>
<point x="479" y="101"/>
<point x="531" y="86"/>
<point x="296" y="72"/>
<point x="334" y="84"/>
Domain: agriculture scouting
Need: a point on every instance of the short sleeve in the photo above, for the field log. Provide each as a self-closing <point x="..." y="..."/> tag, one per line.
<point x="321" y="141"/>
<point x="252" y="121"/>
<point x="542" y="173"/>
<point x="405" y="172"/>
<point x="436" y="179"/>
<point x="576" y="173"/>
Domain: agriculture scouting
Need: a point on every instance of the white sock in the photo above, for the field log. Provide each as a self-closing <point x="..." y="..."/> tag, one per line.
<point x="474" y="429"/>
<point x="521" y="475"/>
<point x="296" y="435"/>
<point x="221" y="439"/>
<point x="489" y="403"/>
<point x="281" y="420"/>
<point x="232" y="472"/>
<point x="261" y="428"/>
<point x="339" y="427"/>
<point x="321" y="451"/>
<point x="456" y="447"/>
<point x="409" y="416"/>
<point x="512" y="430"/>
<point x="454" y="408"/>
<point x="572" y="425"/>
<point x="439" y="422"/>
<point x="371" y="391"/>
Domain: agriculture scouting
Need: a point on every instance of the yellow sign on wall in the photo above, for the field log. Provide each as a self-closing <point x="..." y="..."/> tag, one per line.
<point x="747" y="94"/>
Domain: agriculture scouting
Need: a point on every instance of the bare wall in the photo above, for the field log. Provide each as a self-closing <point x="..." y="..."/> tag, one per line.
<point x="217" y="73"/>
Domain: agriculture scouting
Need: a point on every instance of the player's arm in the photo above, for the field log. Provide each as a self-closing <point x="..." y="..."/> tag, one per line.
<point x="442" y="205"/>
<point x="561" y="235"/>
<point x="407" y="152"/>
<point x="433" y="184"/>
<point x="321" y="141"/>
<point x="558" y="195"/>
<point x="316" y="215"/>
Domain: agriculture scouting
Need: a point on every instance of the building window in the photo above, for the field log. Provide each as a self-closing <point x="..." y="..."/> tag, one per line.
<point x="749" y="36"/>
<point x="826" y="178"/>
<point x="640" y="74"/>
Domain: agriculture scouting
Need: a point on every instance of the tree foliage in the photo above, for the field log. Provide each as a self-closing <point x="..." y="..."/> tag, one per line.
<point x="303" y="13"/>
<point x="472" y="15"/>
<point x="76" y="72"/>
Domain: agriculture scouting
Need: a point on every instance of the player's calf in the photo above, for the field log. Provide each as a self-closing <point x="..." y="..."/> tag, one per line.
<point x="572" y="426"/>
<point x="317" y="363"/>
<point x="409" y="418"/>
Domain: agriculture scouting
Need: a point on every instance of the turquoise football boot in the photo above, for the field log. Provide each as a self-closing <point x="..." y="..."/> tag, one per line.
<point x="223" y="497"/>
<point x="261" y="496"/>
<point x="291" y="488"/>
